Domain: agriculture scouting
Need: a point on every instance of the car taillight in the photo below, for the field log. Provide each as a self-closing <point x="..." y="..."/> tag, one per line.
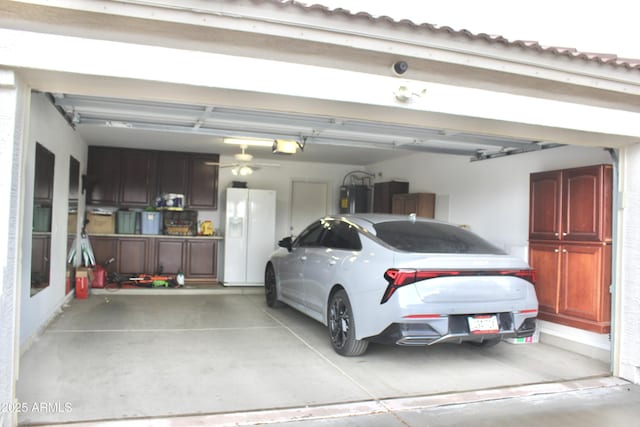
<point x="398" y="277"/>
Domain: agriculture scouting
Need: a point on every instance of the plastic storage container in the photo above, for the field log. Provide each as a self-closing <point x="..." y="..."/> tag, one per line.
<point x="126" y="222"/>
<point x="151" y="223"/>
<point x="41" y="219"/>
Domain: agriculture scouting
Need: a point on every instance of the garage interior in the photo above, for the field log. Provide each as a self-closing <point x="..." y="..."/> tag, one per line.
<point x="225" y="339"/>
<point x="212" y="348"/>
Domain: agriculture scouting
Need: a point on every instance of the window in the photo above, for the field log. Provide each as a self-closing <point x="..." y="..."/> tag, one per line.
<point x="340" y="235"/>
<point x="432" y="237"/>
<point x="310" y="236"/>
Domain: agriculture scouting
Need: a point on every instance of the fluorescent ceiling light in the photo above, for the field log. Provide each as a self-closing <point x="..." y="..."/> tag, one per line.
<point x="260" y="142"/>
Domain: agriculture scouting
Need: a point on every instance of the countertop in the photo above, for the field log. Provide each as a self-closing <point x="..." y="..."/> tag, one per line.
<point x="159" y="236"/>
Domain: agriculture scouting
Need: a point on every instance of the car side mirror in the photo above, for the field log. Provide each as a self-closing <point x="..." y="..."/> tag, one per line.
<point x="286" y="243"/>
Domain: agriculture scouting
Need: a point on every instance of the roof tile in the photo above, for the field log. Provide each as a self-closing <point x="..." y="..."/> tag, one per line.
<point x="600" y="58"/>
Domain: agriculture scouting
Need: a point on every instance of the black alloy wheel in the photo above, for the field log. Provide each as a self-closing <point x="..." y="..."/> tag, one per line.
<point x="270" y="289"/>
<point x="342" y="327"/>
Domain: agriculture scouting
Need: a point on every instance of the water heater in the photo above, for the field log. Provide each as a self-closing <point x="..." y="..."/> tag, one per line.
<point x="355" y="199"/>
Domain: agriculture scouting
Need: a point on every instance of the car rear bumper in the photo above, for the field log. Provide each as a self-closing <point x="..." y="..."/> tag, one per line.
<point x="424" y="333"/>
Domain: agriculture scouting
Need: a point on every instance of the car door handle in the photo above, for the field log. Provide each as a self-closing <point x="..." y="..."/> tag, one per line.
<point x="331" y="262"/>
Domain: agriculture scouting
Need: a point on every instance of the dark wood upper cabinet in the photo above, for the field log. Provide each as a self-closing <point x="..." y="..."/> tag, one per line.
<point x="132" y="178"/>
<point x="383" y="194"/>
<point x="203" y="181"/>
<point x="43" y="185"/>
<point x="138" y="181"/>
<point x="103" y="173"/>
<point x="173" y="172"/>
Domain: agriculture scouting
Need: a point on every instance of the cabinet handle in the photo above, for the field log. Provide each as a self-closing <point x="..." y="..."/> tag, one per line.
<point x="556" y="250"/>
<point x="564" y="234"/>
<point x="556" y="234"/>
<point x="564" y="251"/>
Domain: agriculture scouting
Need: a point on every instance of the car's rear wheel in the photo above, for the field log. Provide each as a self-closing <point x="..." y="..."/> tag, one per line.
<point x="342" y="326"/>
<point x="270" y="289"/>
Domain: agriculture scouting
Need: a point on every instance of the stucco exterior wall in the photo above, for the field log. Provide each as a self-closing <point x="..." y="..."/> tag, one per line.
<point x="629" y="281"/>
<point x="13" y="105"/>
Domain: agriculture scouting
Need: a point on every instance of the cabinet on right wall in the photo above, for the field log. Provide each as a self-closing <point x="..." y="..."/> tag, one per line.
<point x="570" y="245"/>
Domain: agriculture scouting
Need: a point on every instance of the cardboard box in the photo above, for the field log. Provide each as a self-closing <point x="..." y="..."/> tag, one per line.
<point x="72" y="223"/>
<point x="101" y="223"/>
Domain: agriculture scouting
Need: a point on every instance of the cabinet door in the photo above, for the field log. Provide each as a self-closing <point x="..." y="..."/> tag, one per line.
<point x="383" y="195"/>
<point x="138" y="180"/>
<point x="397" y="204"/>
<point x="545" y="205"/>
<point x="545" y="259"/>
<point x="104" y="248"/>
<point x="103" y="172"/>
<point x="173" y="176"/>
<point x="133" y="255"/>
<point x="203" y="182"/>
<point x="201" y="261"/>
<point x="584" y="285"/>
<point x="584" y="204"/>
<point x="169" y="254"/>
<point x="45" y="165"/>
<point x="426" y="205"/>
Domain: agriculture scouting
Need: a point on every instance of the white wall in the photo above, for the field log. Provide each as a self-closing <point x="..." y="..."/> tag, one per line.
<point x="491" y="196"/>
<point x="628" y="289"/>
<point x="280" y="179"/>
<point x="47" y="127"/>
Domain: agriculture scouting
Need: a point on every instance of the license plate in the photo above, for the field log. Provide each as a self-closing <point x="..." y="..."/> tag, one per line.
<point x="483" y="324"/>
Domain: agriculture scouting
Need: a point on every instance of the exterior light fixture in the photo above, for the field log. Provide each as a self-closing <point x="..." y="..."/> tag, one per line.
<point x="285" y="146"/>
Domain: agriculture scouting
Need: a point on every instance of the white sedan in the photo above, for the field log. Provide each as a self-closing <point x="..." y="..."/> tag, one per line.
<point x="402" y="280"/>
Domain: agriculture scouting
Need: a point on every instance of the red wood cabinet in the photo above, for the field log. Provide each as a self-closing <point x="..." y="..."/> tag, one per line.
<point x="570" y="245"/>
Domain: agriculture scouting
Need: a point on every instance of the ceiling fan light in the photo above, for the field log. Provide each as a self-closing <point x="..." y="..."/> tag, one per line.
<point x="245" y="170"/>
<point x="260" y="142"/>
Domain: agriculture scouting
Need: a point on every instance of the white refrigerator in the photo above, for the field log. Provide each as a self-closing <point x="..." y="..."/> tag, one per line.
<point x="250" y="228"/>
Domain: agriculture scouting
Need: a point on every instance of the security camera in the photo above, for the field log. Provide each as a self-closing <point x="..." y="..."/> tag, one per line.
<point x="400" y="67"/>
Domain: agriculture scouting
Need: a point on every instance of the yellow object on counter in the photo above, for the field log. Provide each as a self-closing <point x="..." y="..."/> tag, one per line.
<point x="206" y="228"/>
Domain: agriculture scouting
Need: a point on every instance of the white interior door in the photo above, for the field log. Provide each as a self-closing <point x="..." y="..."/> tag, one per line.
<point x="309" y="201"/>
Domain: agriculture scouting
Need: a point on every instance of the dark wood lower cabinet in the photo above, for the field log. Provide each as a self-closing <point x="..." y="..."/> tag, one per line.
<point x="133" y="255"/>
<point x="170" y="254"/>
<point x="195" y="257"/>
<point x="201" y="259"/>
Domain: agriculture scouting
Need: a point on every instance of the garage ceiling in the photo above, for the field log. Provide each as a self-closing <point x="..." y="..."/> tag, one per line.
<point x="184" y="127"/>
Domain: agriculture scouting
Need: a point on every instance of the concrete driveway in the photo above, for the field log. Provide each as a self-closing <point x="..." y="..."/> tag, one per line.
<point x="122" y="356"/>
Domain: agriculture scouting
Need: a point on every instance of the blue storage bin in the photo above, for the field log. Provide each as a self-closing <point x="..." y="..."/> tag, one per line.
<point x="151" y="223"/>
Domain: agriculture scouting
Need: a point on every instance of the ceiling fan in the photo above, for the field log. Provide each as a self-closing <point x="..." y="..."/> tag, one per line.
<point x="243" y="165"/>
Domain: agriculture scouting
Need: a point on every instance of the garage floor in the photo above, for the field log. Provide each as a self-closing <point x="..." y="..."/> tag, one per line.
<point x="116" y="355"/>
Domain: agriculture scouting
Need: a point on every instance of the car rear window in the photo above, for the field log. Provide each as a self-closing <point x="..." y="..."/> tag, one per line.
<point x="432" y="237"/>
